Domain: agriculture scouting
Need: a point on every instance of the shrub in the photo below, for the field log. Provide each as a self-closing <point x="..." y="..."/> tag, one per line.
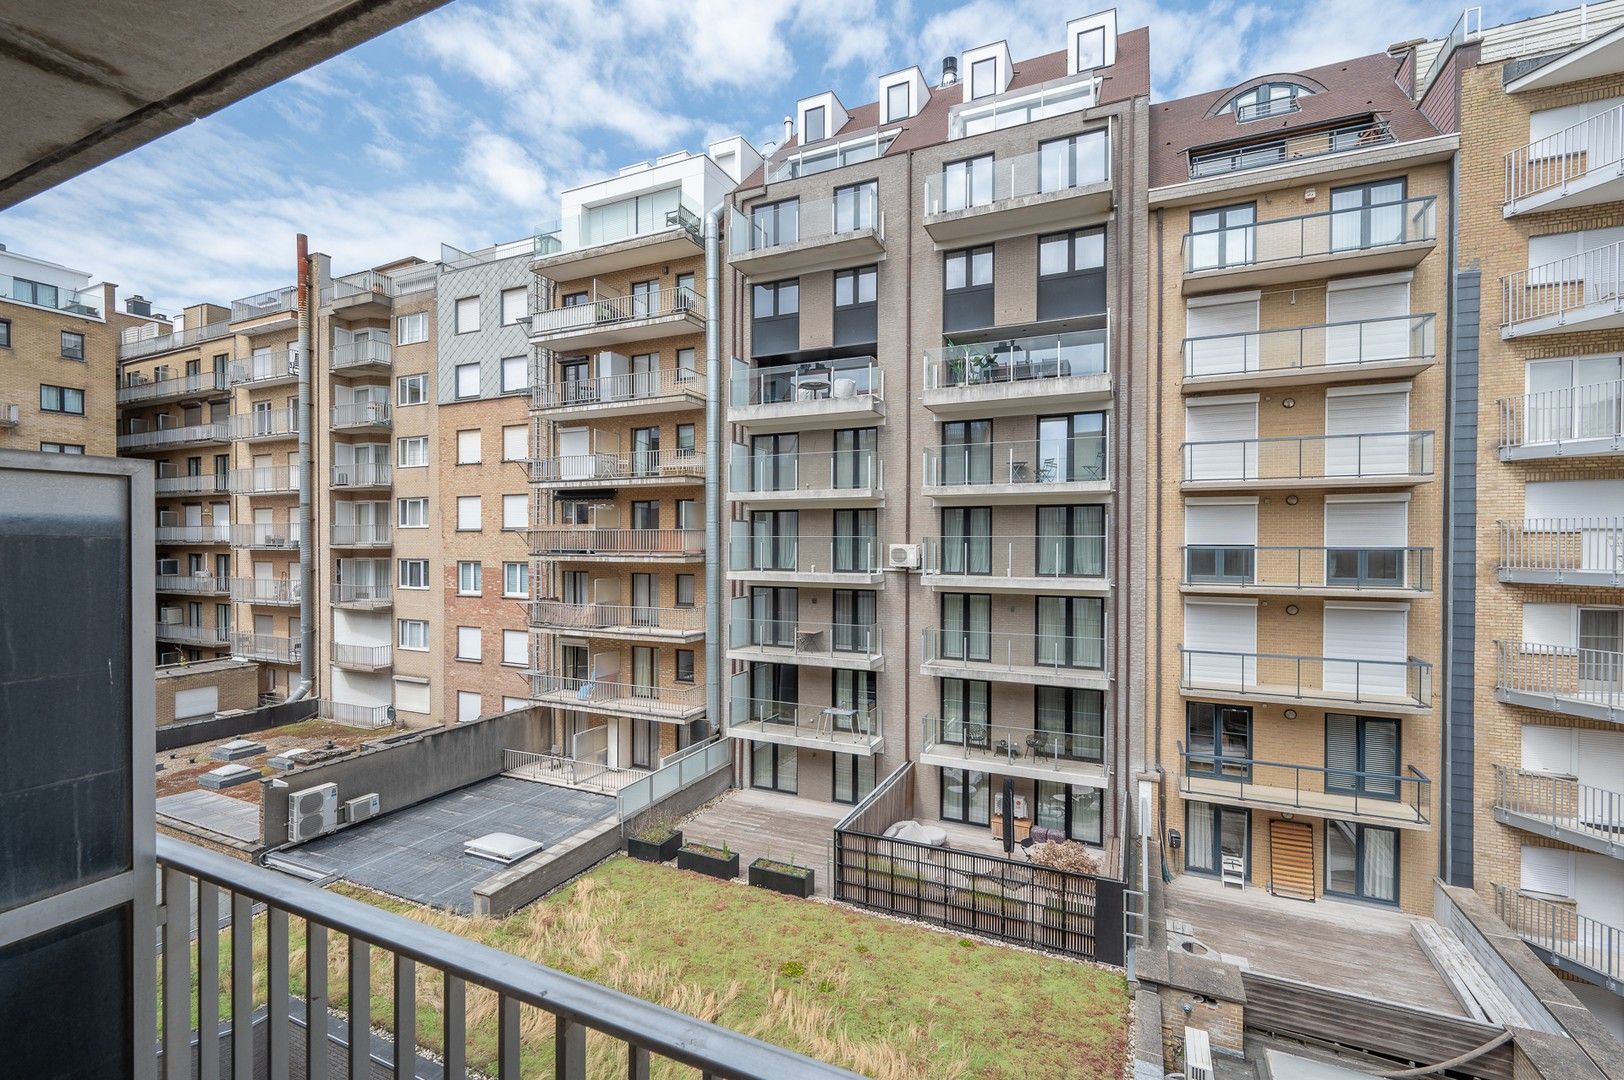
<point x="723" y="852"/>
<point x="656" y="828"/>
<point x="1069" y="856"/>
<point x="792" y="969"/>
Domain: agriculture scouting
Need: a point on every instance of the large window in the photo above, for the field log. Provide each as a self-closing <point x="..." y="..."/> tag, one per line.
<point x="1070" y="631"/>
<point x="772" y="224"/>
<point x="467" y="314"/>
<point x="1361" y="755"/>
<point x="965" y="796"/>
<point x="1219" y="738"/>
<point x="967" y="289"/>
<point x="1224" y="236"/>
<point x="967" y="183"/>
<point x="73" y="345"/>
<point x="772" y="767"/>
<point x="1214" y="835"/>
<point x="775" y="318"/>
<point x="1361" y="861"/>
<point x="856" y="459"/>
<point x="1071" y="541"/>
<point x="412" y="390"/>
<point x="413" y="452"/>
<point x="1069" y="723"/>
<point x="774" y="614"/>
<point x="1367" y="215"/>
<point x="470" y="578"/>
<point x="1266" y="99"/>
<point x="1071" y="274"/>
<point x="774" y="540"/>
<point x="414" y="635"/>
<point x="856" y="316"/>
<point x="896" y="102"/>
<point x="61" y="399"/>
<point x="966" y="452"/>
<point x="1076" y="811"/>
<point x="1071" y="449"/>
<point x="856" y="205"/>
<point x="966" y="712"/>
<point x="412" y="329"/>
<point x="1075" y="161"/>
<point x="966" y="540"/>
<point x="414" y="573"/>
<point x="984" y="78"/>
<point x="854" y="617"/>
<point x="855" y="542"/>
<point x="1091" y="48"/>
<point x="516" y="579"/>
<point x="854" y="773"/>
<point x="967" y="626"/>
<point x="815" y="125"/>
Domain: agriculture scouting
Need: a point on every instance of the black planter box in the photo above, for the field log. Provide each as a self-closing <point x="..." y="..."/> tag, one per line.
<point x="725" y="869"/>
<point x="647" y="851"/>
<point x="780" y="882"/>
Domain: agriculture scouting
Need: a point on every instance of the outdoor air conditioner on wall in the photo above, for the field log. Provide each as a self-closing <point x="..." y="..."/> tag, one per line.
<point x="169" y="616"/>
<point x="312" y="812"/>
<point x="903" y="556"/>
<point x="361" y="809"/>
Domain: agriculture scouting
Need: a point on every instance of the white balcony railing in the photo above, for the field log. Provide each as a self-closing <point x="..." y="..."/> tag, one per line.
<point x="193" y="534"/>
<point x="1564" y="416"/>
<point x="254" y="590"/>
<point x="355" y="474"/>
<point x="275" y="302"/>
<point x="361" y="657"/>
<point x="1000" y="555"/>
<point x="176" y="436"/>
<point x="359" y="284"/>
<point x="268" y="366"/>
<point x="265" y="480"/>
<point x="270" y="647"/>
<point x="197" y="384"/>
<point x="266" y="424"/>
<point x="361" y="534"/>
<point x="190" y="634"/>
<point x="1579" y="151"/>
<point x="630" y="388"/>
<point x="666" y="464"/>
<point x="266" y="535"/>
<point x="360" y="353"/>
<point x="361" y="414"/>
<point x="201" y="584"/>
<point x="192" y="484"/>
<point x="1053" y="170"/>
<point x="361" y="594"/>
<point x="1583" y="284"/>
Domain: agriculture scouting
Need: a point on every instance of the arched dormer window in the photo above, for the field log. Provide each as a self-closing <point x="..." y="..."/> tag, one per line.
<point x="1266" y="99"/>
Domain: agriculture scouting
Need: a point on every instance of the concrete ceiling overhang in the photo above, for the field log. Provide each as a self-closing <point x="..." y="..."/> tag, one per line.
<point x="87" y="81"/>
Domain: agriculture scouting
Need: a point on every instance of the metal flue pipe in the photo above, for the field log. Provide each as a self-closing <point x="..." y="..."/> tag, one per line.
<point x="713" y="469"/>
<point x="307" y="540"/>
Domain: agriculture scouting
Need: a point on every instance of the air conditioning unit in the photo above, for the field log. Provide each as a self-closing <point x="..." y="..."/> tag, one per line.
<point x="169" y="616"/>
<point x="1197" y="1054"/>
<point x="903" y="556"/>
<point x="312" y="812"/>
<point x="361" y="809"/>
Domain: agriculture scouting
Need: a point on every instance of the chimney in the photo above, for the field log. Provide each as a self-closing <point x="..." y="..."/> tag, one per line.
<point x="789" y="130"/>
<point x="138" y="305"/>
<point x="950" y="70"/>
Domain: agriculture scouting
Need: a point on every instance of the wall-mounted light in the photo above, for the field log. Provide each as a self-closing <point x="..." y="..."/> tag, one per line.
<point x="1291" y="609"/>
<point x="1290" y="714"/>
<point x="1291" y="500"/>
<point x="1288" y="403"/>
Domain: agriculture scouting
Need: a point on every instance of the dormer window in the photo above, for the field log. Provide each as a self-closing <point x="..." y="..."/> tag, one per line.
<point x="896" y="102"/>
<point x="815" y="127"/>
<point x="1267" y="99"/>
<point x="984" y="78"/>
<point x="1091" y="48"/>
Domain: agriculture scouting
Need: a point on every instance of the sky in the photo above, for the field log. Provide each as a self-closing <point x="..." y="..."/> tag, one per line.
<point x="463" y="126"/>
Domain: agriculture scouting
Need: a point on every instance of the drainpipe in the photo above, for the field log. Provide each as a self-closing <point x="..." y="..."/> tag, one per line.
<point x="307" y="539"/>
<point x="713" y="469"/>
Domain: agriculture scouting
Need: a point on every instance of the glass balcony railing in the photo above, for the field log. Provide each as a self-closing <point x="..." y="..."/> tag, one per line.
<point x="1079" y="460"/>
<point x="1033" y="362"/>
<point x="1058" y="168"/>
<point x="985" y="746"/>
<point x="1057" y="558"/>
<point x="836" y="725"/>
<point x="1337" y="232"/>
<point x="830" y="471"/>
<point x="855" y="380"/>
<point x="1310" y="457"/>
<point x="805" y="554"/>
<point x="821" y="157"/>
<point x="274" y="302"/>
<point x="1291" y="569"/>
<point x="1279" y="151"/>
<point x="984" y="650"/>
<point x="1057" y="97"/>
<point x="804" y="221"/>
<point x="794" y="639"/>
<point x="86" y="302"/>
<point x="1310" y="678"/>
<point x="627" y="219"/>
<point x="1305" y="350"/>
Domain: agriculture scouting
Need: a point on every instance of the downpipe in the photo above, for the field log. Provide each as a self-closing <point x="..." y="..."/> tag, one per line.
<point x="307" y="539"/>
<point x="713" y="470"/>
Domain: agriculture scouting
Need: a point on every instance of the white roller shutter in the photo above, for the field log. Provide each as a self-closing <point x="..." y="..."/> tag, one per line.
<point x="1219" y="432"/>
<point x="1590" y="507"/>
<point x="1373" y="423"/>
<point x="1599" y="140"/>
<point x="1600" y="767"/>
<point x="1220" y="524"/>
<point x="1222" y="638"/>
<point x="1547" y="870"/>
<point x="198" y="701"/>
<point x="1362" y="523"/>
<point x="1548" y="749"/>
<point x="1223" y="333"/>
<point x="411" y="696"/>
<point x="1366" y="632"/>
<point x="1549" y="625"/>
<point x="1368" y="322"/>
<point x="1598" y="889"/>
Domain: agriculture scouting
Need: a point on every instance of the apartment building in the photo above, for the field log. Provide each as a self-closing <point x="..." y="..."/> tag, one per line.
<point x="58" y="352"/>
<point x="618" y="572"/>
<point x="1301" y="284"/>
<point x="931" y="481"/>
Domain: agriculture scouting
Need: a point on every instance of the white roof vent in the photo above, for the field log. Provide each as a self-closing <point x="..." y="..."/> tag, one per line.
<point x="501" y="847"/>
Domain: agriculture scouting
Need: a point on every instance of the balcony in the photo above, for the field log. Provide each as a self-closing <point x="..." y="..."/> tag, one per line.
<point x="361" y="657"/>
<point x="1287" y="149"/>
<point x="359" y="475"/>
<point x="1331" y="682"/>
<point x="667" y="704"/>
<point x="1581" y="165"/>
<point x="1563" y="938"/>
<point x="811" y="727"/>
<point x="1014" y="751"/>
<point x="201" y="584"/>
<point x="1576" y="293"/>
<point x="192" y="484"/>
<point x="631" y="621"/>
<point x="1583" y="683"/>
<point x="212" y="637"/>
<point x="1574" y="421"/>
<point x="1015" y="376"/>
<point x="608" y="239"/>
<point x="1401" y="800"/>
<point x="200" y="386"/>
<point x="610" y="320"/>
<point x="192" y="535"/>
<point x="1384" y="459"/>
<point x="812" y="480"/>
<point x="360" y="716"/>
<point x="1399" y="346"/>
<point x="633" y="393"/>
<point x="1376" y="573"/>
<point x="852" y="147"/>
<point x="1390" y="236"/>
<point x="809" y="397"/>
<point x="264" y="424"/>
<point x="1002" y="563"/>
<point x="135" y="343"/>
<point x="618" y="545"/>
<point x="264" y="481"/>
<point x="1057" y="97"/>
<point x="280" y="592"/>
<point x="1563" y="551"/>
<point x="816" y="235"/>
<point x="83" y="302"/>
<point x="215" y="434"/>
<point x="282" y="303"/>
<point x="640" y="468"/>
<point x="363" y="356"/>
<point x="352" y="534"/>
<point x="366" y="295"/>
<point x="267" y="536"/>
<point x="373" y="596"/>
<point x="356" y="416"/>
<point x="1561" y="808"/>
<point x="267" y="647"/>
<point x="1022" y="471"/>
<point x="1057" y="659"/>
<point x="805" y="560"/>
<point x="851" y="646"/>
<point x="1021" y="195"/>
<point x="268" y="368"/>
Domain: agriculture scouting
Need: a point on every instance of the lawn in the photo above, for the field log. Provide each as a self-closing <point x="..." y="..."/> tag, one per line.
<point x="882" y="998"/>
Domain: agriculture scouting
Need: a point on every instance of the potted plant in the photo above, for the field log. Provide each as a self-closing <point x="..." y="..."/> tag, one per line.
<point x="655" y="840"/>
<point x="721" y="863"/>
<point x="981" y="367"/>
<point x="782" y="877"/>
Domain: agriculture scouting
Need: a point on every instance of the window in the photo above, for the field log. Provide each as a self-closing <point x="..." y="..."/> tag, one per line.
<point x="467" y="381"/>
<point x="685" y="590"/>
<point x="1091" y="48"/>
<point x="856" y="206"/>
<point x="856" y="316"/>
<point x="73" y="345"/>
<point x="1368" y="215"/>
<point x="1071" y="162"/>
<point x="1361" y="861"/>
<point x="515" y="511"/>
<point x="1266" y="99"/>
<point x="896" y="102"/>
<point x="814" y="125"/>
<point x="1069" y="724"/>
<point x="515" y="442"/>
<point x="966" y="184"/>
<point x="775" y="223"/>
<point x="469" y="706"/>
<point x="5" y="333"/>
<point x="414" y="513"/>
<point x="967" y="289"/>
<point x="61" y="448"/>
<point x="1219" y="738"/>
<point x="777" y="299"/>
<point x="1222" y="237"/>
<point x="470" y="643"/>
<point x="414" y="573"/>
<point x="414" y="635"/>
<point x="515" y="305"/>
<point x="515" y="579"/>
<point x="1361" y="755"/>
<point x="1215" y="835"/>
<point x="984" y="78"/>
<point x="1071" y="274"/>
<point x="685" y="666"/>
<point x="34" y="292"/>
<point x="1071" y="541"/>
<point x="469" y="447"/>
<point x="61" y="399"/>
<point x="412" y="390"/>
<point x="772" y="767"/>
<point x="467" y="314"/>
<point x="470" y="578"/>
<point x="467" y="513"/>
<point x="966" y="796"/>
<point x="687" y="365"/>
<point x="775" y="325"/>
<point x="515" y="374"/>
<point x="966" y="626"/>
<point x="412" y="329"/>
<point x="413" y="452"/>
<point x="685" y="441"/>
<point x="1071" y="631"/>
<point x="856" y="286"/>
<point x="515" y="648"/>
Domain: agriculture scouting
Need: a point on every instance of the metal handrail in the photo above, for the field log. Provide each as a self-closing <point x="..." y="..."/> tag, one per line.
<point x="1025" y="461"/>
<point x="984" y="649"/>
<point x="1329" y="232"/>
<point x="267" y="303"/>
<point x="147" y="346"/>
<point x="1285" y="567"/>
<point x="263" y="367"/>
<point x="605" y="309"/>
<point x="1304" y="677"/>
<point x="663" y="699"/>
<point x="1593" y="278"/>
<point x="590" y="540"/>
<point x="195" y="383"/>
<point x="197" y="584"/>
<point x="665" y="463"/>
<point x="860" y="724"/>
<point x="1564" y="546"/>
<point x="361" y="414"/>
<point x="372" y="656"/>
<point x="802" y="554"/>
<point x="1560" y="930"/>
<point x="1561" y="801"/>
<point x="1568" y="414"/>
<point x="819" y="381"/>
<point x="265" y="424"/>
<point x="269" y="535"/>
<point x="1278" y="151"/>
<point x="1011" y="743"/>
<point x="171" y="436"/>
<point x="825" y="470"/>
<point x="803" y="637"/>
<point x="362" y="474"/>
<point x="1018" y="176"/>
<point x="822" y="218"/>
<point x="359" y="533"/>
<point x="272" y="647"/>
<point x="631" y="617"/>
<point x="1035" y="359"/>
<point x="1578" y="150"/>
<point x="264" y="480"/>
<point x="192" y="484"/>
<point x="631" y="386"/>
<point x="345" y="712"/>
<point x="1350" y="343"/>
<point x="358" y="284"/>
<point x="361" y="351"/>
<point x="282" y="590"/>
<point x="193" y="534"/>
<point x="1076" y="556"/>
<point x="352" y="593"/>
<point x="189" y="632"/>
<point x="1310" y="457"/>
<point x="1561" y="673"/>
<point x="1363" y="788"/>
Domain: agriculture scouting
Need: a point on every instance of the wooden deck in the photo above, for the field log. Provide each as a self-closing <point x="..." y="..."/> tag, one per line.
<point x="760" y="824"/>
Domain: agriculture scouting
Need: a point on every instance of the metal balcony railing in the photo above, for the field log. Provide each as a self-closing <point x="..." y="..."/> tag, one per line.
<point x="270" y="647"/>
<point x="193" y="584"/>
<point x="793" y="639"/>
<point x="1590" y="279"/>
<point x="86" y="302"/>
<point x="1336" y="232"/>
<point x="630" y="697"/>
<point x="1558" y="930"/>
<point x="1311" y="457"/>
<point x="1262" y="110"/>
<point x="856" y="380"/>
<point x="302" y="919"/>
<point x="361" y="716"/>
<point x="805" y="554"/>
<point x="265" y="424"/>
<point x="565" y="540"/>
<point x="362" y="474"/>
<point x="1330" y="678"/>
<point x="265" y="480"/>
<point x="1562" y="802"/>
<point x="632" y="618"/>
<point x="984" y="650"/>
<point x="1309" y="349"/>
<point x="376" y="592"/>
<point x="193" y="534"/>
<point x="1590" y="147"/>
<point x="266" y="303"/>
<point x="631" y="387"/>
<point x="361" y="414"/>
<point x="1032" y="362"/>
<point x="827" y="723"/>
<point x="360" y="534"/>
<point x="607" y="309"/>
<point x="202" y="382"/>
<point x="805" y="220"/>
<point x="360" y="352"/>
<point x="1050" y="171"/>
<point x="265" y="367"/>
<point x="1399" y="796"/>
<point x="132" y="346"/>
<point x="363" y="657"/>
<point x="828" y="470"/>
<point x="1077" y="460"/>
<point x="189" y="634"/>
<point x="1581" y="548"/>
<point x="1015" y="556"/>
<point x="1293" y="568"/>
<point x="270" y="535"/>
<point x="687" y="464"/>
<point x="983" y="744"/>
<point x="360" y="284"/>
<point x="217" y="432"/>
<point x="1571" y="414"/>
<point x="284" y="590"/>
<point x="1289" y="148"/>
<point x="192" y="484"/>
<point x="1056" y="97"/>
<point x="1562" y="675"/>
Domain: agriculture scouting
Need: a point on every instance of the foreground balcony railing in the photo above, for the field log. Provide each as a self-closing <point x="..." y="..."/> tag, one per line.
<point x="998" y="747"/>
<point x="275" y="302"/>
<point x="193" y="584"/>
<point x="1394" y="798"/>
<point x="1051" y="171"/>
<point x="798" y="640"/>
<point x="630" y="389"/>
<point x="363" y="352"/>
<point x="819" y="555"/>
<point x="1294" y="569"/>
<point x="265" y="480"/>
<point x="1057" y="97"/>
<point x="1275" y="676"/>
<point x="585" y="540"/>
<point x="361" y="474"/>
<point x="359" y="284"/>
<point x="1039" y="559"/>
<point x="1038" y="363"/>
<point x="133" y="343"/>
<point x="1396" y="454"/>
<point x="629" y="219"/>
<point x="1563" y="938"/>
<point x="847" y="730"/>
<point x="837" y="473"/>
<point x="1055" y="655"/>
<point x="1561" y="807"/>
<point x="607" y="309"/>
<point x="218" y="432"/>
<point x="628" y="619"/>
<point x="337" y="936"/>
<point x="356" y="414"/>
<point x="265" y="424"/>
<point x="1034" y="464"/>
<point x="187" y="633"/>
<point x="856" y="381"/>
<point x="1573" y="293"/>
<point x="1558" y="678"/>
<point x="803" y="221"/>
<point x="1349" y="232"/>
<point x="265" y="590"/>
<point x="665" y="702"/>
<point x="1573" y="420"/>
<point x="1578" y="155"/>
<point x="652" y="466"/>
<point x="86" y="302"/>
<point x="1279" y="151"/>
<point x="199" y="484"/>
<point x="198" y="384"/>
<point x="269" y="536"/>
<point x="367" y="595"/>
<point x="361" y="657"/>
<point x="1563" y="551"/>
<point x="272" y="648"/>
<point x="271" y="366"/>
<point x="193" y="534"/>
<point x="361" y="716"/>
<point x="1306" y="351"/>
<point x="364" y="534"/>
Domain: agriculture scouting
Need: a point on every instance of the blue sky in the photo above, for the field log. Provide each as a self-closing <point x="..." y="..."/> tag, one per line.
<point x="464" y="125"/>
